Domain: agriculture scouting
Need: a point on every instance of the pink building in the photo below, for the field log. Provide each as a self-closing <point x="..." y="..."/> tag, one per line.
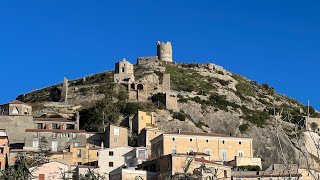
<point x="51" y="170"/>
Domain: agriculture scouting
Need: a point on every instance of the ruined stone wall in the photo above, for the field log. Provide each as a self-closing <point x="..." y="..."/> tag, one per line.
<point x="65" y="89"/>
<point x="165" y="83"/>
<point x="147" y="59"/>
<point x="16" y="126"/>
<point x="171" y="101"/>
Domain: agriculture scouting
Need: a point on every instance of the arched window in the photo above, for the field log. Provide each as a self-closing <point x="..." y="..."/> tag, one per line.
<point x="15" y="111"/>
<point x="26" y="111"/>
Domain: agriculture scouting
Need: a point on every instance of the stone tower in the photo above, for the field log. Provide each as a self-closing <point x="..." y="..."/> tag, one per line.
<point x="65" y="88"/>
<point x="164" y="51"/>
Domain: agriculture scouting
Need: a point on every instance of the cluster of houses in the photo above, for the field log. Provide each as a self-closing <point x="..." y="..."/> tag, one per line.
<point x="158" y="154"/>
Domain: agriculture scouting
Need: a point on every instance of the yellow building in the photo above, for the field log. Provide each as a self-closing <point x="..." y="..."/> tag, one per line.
<point x="219" y="147"/>
<point x="78" y="155"/>
<point x="140" y="121"/>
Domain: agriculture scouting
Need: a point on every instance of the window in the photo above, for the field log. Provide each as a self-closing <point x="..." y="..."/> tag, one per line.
<point x="39" y="126"/>
<point x="54" y="146"/>
<point x="240" y="143"/>
<point x="207" y="151"/>
<point x="141" y="153"/>
<point x="55" y="126"/>
<point x="76" y="144"/>
<point x="1" y="150"/>
<point x="190" y="150"/>
<point x="223" y="142"/>
<point x="115" y="139"/>
<point x="15" y="111"/>
<point x="116" y="131"/>
<point x="42" y="176"/>
<point x="35" y="144"/>
<point x="190" y="140"/>
<point x="240" y="153"/>
<point x="110" y="153"/>
<point x="174" y="150"/>
<point x="122" y="69"/>
<point x="224" y="155"/>
<point x="54" y="135"/>
<point x="79" y="153"/>
<point x="141" y="117"/>
<point x="207" y="140"/>
<point x="70" y="126"/>
<point x="110" y="164"/>
<point x="74" y="135"/>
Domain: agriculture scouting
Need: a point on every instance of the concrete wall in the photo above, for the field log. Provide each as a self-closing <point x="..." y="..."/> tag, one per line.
<point x="16" y="126"/>
<point x="214" y="146"/>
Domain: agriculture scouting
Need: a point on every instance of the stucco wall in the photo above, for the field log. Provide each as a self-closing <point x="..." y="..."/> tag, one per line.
<point x="16" y="126"/>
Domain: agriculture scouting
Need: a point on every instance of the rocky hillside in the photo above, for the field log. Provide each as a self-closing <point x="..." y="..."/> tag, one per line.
<point x="210" y="100"/>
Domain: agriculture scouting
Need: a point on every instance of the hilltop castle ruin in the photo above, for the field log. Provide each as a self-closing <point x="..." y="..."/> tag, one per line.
<point x="141" y="88"/>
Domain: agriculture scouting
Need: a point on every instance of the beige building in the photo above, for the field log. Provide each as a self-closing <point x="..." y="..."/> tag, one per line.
<point x="141" y="120"/>
<point x="116" y="136"/>
<point x="220" y="147"/>
<point x="16" y="108"/>
<point x="111" y="159"/>
<point x="123" y="73"/>
<point x="146" y="135"/>
<point x="174" y="165"/>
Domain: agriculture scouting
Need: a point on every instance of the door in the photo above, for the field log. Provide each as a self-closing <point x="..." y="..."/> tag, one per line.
<point x="54" y="146"/>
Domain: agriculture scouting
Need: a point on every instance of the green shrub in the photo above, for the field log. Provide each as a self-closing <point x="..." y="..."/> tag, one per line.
<point x="179" y="115"/>
<point x="243" y="128"/>
<point x="220" y="72"/>
<point x="160" y="97"/>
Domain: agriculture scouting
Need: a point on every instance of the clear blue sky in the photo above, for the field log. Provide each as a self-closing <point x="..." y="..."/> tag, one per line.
<point x="270" y="41"/>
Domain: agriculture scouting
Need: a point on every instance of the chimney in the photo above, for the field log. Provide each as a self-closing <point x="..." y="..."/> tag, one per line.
<point x="179" y="131"/>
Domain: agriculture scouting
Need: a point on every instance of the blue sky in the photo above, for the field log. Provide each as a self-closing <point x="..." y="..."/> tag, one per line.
<point x="274" y="42"/>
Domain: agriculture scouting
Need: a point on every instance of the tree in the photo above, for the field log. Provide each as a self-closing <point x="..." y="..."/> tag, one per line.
<point x="314" y="126"/>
